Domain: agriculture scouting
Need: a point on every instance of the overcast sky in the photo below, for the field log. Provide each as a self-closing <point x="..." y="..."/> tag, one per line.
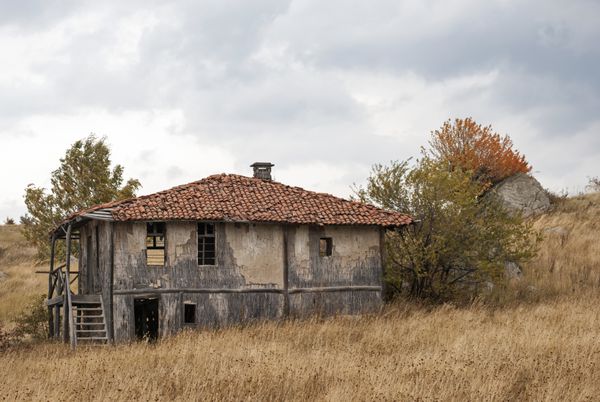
<point x="323" y="89"/>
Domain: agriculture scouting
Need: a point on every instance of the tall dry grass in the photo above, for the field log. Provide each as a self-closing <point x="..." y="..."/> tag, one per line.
<point x="545" y="348"/>
<point x="18" y="280"/>
<point x="568" y="261"/>
<point x="540" y="352"/>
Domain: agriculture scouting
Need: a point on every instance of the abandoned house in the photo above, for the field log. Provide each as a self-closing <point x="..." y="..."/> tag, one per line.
<point x="222" y="250"/>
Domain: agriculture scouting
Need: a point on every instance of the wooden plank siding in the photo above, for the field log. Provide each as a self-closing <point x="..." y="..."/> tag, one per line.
<point x="262" y="271"/>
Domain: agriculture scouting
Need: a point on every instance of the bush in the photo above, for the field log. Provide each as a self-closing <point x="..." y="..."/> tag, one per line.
<point x="32" y="323"/>
<point x="459" y="242"/>
<point x="5" y="339"/>
<point x="9" y="221"/>
<point x="594" y="184"/>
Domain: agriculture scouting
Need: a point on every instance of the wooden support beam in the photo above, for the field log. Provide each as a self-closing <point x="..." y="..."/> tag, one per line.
<point x="57" y="321"/>
<point x="286" y="270"/>
<point x="153" y="291"/>
<point x="58" y="300"/>
<point x="194" y="290"/>
<point x="336" y="289"/>
<point x="51" y="284"/>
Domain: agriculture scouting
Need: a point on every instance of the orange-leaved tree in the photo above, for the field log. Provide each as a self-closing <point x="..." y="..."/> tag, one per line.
<point x="469" y="146"/>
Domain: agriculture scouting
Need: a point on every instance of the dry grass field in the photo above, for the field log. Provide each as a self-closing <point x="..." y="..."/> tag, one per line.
<point x="18" y="280"/>
<point x="540" y="341"/>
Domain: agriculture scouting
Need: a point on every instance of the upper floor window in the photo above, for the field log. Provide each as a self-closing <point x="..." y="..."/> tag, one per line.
<point x="206" y="244"/>
<point x="155" y="244"/>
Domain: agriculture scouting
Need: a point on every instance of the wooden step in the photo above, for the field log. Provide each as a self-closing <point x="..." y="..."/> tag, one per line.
<point x="90" y="322"/>
<point x="85" y="299"/>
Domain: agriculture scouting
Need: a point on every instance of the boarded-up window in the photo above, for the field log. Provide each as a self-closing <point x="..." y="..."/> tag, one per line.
<point x="155" y="244"/>
<point x="206" y="244"/>
<point x="325" y="246"/>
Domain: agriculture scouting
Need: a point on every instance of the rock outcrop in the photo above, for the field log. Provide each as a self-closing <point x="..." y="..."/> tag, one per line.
<point x="523" y="193"/>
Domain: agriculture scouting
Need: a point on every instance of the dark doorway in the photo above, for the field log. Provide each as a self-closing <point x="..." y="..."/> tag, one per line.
<point x="146" y="319"/>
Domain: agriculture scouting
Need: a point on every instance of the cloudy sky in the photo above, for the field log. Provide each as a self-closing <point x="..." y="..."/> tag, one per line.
<point x="323" y="89"/>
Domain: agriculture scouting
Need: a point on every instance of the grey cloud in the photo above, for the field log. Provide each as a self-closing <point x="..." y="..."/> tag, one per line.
<point x="204" y="58"/>
<point x="35" y="14"/>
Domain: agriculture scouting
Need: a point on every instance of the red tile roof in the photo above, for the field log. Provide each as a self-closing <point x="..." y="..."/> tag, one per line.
<point x="234" y="198"/>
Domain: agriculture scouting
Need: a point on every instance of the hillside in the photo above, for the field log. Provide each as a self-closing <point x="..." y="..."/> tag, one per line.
<point x="538" y="342"/>
<point x="18" y="280"/>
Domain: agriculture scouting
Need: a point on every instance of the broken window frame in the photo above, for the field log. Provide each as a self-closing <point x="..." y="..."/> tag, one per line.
<point x="327" y="250"/>
<point x="152" y="232"/>
<point x="205" y="238"/>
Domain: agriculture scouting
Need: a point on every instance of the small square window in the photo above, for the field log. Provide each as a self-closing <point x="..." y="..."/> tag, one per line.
<point x="325" y="246"/>
<point x="189" y="313"/>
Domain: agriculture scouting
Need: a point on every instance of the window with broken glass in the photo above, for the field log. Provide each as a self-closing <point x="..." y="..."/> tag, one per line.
<point x="325" y="246"/>
<point x="155" y="244"/>
<point x="206" y="244"/>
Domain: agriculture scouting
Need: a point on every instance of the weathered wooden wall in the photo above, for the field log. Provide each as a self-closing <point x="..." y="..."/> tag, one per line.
<point x="248" y="281"/>
<point x="355" y="261"/>
<point x="248" y="257"/>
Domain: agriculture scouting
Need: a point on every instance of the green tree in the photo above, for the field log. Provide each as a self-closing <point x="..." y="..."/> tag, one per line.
<point x="83" y="179"/>
<point x="460" y="239"/>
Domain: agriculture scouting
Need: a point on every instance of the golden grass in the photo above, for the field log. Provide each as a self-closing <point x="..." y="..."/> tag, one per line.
<point x="569" y="257"/>
<point x="540" y="352"/>
<point x="18" y="280"/>
<point x="546" y="348"/>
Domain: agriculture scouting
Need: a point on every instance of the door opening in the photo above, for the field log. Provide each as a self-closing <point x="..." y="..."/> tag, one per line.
<point x="146" y="319"/>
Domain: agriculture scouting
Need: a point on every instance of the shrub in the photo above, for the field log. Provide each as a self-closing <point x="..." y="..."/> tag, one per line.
<point x="32" y="323"/>
<point x="5" y="338"/>
<point x="594" y="184"/>
<point x="9" y="221"/>
<point x="460" y="241"/>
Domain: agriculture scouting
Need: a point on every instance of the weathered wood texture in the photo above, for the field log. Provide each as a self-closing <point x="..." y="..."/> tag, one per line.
<point x="95" y="264"/>
<point x="249" y="257"/>
<point x="355" y="261"/>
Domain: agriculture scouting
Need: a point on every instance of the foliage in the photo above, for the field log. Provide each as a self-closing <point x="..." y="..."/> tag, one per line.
<point x="9" y="221"/>
<point x="83" y="179"/>
<point x="460" y="239"/>
<point x="33" y="321"/>
<point x="469" y="146"/>
<point x="594" y="184"/>
<point x="5" y="338"/>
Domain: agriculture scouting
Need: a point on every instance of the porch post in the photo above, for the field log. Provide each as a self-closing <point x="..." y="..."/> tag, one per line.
<point x="67" y="289"/>
<point x="50" y="289"/>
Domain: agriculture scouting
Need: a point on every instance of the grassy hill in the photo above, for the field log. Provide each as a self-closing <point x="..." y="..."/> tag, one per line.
<point x="18" y="280"/>
<point x="539" y="341"/>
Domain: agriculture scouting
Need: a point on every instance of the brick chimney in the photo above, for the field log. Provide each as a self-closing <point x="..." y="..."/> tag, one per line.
<point x="262" y="170"/>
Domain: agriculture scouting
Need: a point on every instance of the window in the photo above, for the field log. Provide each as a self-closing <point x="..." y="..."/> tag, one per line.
<point x="189" y="313"/>
<point x="206" y="244"/>
<point x="155" y="244"/>
<point x="325" y="246"/>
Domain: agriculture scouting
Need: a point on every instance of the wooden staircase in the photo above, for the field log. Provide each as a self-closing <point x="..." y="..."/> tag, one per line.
<point x="89" y="319"/>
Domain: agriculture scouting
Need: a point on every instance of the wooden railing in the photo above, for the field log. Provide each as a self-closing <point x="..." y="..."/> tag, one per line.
<point x="59" y="289"/>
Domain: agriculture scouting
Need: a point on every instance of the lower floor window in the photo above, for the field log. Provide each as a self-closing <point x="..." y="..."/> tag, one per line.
<point x="189" y="313"/>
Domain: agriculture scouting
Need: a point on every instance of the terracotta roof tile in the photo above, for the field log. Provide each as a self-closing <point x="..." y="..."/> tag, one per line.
<point x="228" y="197"/>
